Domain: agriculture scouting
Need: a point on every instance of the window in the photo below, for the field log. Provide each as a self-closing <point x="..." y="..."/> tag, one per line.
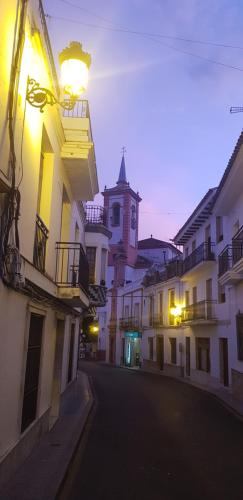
<point x="136" y="311"/>
<point x="116" y="214"/>
<point x="187" y="298"/>
<point x="239" y="328"/>
<point x="126" y="312"/>
<point x="151" y="310"/>
<point x="173" y="350"/>
<point x="103" y="266"/>
<point x="194" y="295"/>
<point x="203" y="354"/>
<point x="186" y="252"/>
<point x="221" y="294"/>
<point x="133" y="217"/>
<point x="32" y="370"/>
<point x="219" y="229"/>
<point x="151" y="347"/>
<point x="193" y="245"/>
<point x="91" y="257"/>
<point x="171" y="293"/>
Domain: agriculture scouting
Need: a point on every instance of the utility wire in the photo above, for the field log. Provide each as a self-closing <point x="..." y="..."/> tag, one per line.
<point x="118" y="27"/>
<point x="149" y="36"/>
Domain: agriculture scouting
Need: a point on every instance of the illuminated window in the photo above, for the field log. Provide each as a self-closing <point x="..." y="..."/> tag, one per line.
<point x="171" y="293"/>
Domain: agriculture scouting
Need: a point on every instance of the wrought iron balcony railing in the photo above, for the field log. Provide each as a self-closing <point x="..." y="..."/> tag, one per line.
<point x="41" y="236"/>
<point x="202" y="253"/>
<point x="95" y="214"/>
<point x="225" y="260"/>
<point x="172" y="269"/>
<point x="80" y="110"/>
<point x="203" y="310"/>
<point x="130" y="323"/>
<point x="72" y="268"/>
<point x="231" y="254"/>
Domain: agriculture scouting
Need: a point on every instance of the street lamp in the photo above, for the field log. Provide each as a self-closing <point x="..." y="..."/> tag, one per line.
<point x="75" y="65"/>
<point x="176" y="311"/>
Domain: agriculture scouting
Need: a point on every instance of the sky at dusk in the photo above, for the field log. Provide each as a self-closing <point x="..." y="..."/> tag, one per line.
<point x="168" y="108"/>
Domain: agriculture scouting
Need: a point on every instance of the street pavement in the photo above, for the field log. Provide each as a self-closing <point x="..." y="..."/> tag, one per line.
<point x="155" y="438"/>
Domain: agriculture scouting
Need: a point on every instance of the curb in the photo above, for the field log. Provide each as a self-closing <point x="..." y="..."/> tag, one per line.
<point x="83" y="423"/>
<point x="206" y="390"/>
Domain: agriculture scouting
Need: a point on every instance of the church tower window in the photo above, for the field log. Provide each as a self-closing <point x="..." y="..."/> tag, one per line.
<point x="116" y="214"/>
<point x="133" y="217"/>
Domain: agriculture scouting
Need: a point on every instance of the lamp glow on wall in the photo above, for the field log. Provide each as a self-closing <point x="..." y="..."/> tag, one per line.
<point x="75" y="64"/>
<point x="176" y="311"/>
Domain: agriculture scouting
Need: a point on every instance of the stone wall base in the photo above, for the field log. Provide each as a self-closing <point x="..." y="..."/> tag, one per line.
<point x="23" y="448"/>
<point x="204" y="378"/>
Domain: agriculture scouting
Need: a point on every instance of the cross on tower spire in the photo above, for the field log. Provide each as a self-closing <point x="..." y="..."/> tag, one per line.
<point x="122" y="179"/>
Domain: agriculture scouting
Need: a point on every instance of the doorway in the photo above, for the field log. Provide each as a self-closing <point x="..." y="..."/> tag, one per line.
<point x="160" y="352"/>
<point x="112" y="350"/>
<point x="188" y="356"/>
<point x="57" y="372"/>
<point x="224" y="366"/>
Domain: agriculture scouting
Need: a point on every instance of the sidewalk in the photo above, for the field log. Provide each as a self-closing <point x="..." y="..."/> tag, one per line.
<point x="41" y="475"/>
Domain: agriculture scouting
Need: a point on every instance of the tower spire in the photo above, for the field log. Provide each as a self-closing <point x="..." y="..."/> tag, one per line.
<point x="122" y="179"/>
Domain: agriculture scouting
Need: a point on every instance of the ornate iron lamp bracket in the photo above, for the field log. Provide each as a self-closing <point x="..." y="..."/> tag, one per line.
<point x="39" y="96"/>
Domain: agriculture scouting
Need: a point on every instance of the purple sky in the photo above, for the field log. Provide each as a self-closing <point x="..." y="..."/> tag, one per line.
<point x="169" y="109"/>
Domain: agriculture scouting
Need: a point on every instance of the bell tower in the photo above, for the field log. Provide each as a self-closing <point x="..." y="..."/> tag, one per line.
<point x="122" y="208"/>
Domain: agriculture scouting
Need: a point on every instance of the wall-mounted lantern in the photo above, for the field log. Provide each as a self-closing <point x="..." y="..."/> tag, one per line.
<point x="75" y="64"/>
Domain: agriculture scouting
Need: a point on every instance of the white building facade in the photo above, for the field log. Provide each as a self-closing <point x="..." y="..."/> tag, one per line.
<point x="48" y="171"/>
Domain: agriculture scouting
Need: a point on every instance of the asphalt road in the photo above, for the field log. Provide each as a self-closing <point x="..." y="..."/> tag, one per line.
<point x="154" y="438"/>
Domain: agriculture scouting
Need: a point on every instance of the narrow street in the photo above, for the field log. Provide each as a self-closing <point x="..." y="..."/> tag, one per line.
<point x="154" y="438"/>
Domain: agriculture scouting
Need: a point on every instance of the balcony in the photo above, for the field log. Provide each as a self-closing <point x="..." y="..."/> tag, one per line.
<point x="72" y="274"/>
<point x="41" y="236"/>
<point x="129" y="324"/>
<point x="96" y="220"/>
<point x="230" y="261"/>
<point x="171" y="270"/>
<point x="95" y="214"/>
<point x="78" y="153"/>
<point x="202" y="312"/>
<point x="201" y="254"/>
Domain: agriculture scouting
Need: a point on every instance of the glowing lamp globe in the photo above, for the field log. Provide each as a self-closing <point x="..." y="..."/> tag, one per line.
<point x="176" y="311"/>
<point x="75" y="65"/>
